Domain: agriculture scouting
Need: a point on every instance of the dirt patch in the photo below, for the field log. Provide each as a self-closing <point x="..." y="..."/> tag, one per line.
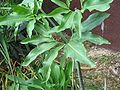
<point x="107" y="69"/>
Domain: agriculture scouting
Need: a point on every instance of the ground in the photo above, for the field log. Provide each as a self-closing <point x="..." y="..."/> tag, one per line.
<point x="107" y="71"/>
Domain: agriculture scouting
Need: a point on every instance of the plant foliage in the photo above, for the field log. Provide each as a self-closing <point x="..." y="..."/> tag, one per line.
<point x="41" y="39"/>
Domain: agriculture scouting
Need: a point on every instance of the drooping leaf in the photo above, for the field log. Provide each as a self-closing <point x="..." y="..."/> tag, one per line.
<point x="37" y="51"/>
<point x="12" y="19"/>
<point x="94" y="38"/>
<point x="60" y="3"/>
<point x="100" y="5"/>
<point x="30" y="27"/>
<point x="46" y="69"/>
<point x="21" y="10"/>
<point x="36" y="40"/>
<point x="94" y="20"/>
<point x="77" y="51"/>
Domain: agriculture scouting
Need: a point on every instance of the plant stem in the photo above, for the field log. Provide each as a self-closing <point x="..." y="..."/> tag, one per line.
<point x="80" y="78"/>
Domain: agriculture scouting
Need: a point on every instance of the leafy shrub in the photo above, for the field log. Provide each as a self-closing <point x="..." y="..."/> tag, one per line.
<point x="27" y="29"/>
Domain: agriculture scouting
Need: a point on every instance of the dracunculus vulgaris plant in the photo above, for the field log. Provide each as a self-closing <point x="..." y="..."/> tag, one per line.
<point x="55" y="56"/>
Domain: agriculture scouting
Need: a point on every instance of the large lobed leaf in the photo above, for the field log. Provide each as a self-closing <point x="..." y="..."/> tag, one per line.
<point x="77" y="51"/>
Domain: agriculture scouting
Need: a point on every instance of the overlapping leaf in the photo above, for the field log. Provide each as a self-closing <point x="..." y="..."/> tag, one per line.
<point x="46" y="69"/>
<point x="37" y="51"/>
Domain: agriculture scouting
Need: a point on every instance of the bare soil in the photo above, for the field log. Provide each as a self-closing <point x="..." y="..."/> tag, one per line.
<point x="107" y="69"/>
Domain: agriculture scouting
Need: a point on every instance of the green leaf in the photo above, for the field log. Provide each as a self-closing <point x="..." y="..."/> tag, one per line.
<point x="30" y="27"/>
<point x="41" y="29"/>
<point x="60" y="3"/>
<point x="67" y="21"/>
<point x="94" y="38"/>
<point x="77" y="51"/>
<point x="37" y="51"/>
<point x="36" y="40"/>
<point x="68" y="2"/>
<point x="29" y="3"/>
<point x="77" y="22"/>
<point x="12" y="19"/>
<point x="100" y="5"/>
<point x="46" y="69"/>
<point x="58" y="11"/>
<point x="21" y="10"/>
<point x="68" y="70"/>
<point x="55" y="73"/>
<point x="23" y="83"/>
<point x="36" y="7"/>
<point x="62" y="78"/>
<point x="93" y="21"/>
